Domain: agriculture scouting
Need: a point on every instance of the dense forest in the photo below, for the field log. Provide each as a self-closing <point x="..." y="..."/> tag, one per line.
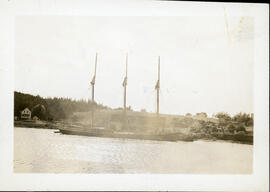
<point x="51" y="108"/>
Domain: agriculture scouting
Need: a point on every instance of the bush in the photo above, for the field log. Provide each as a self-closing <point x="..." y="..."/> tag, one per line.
<point x="39" y="111"/>
<point x="214" y="129"/>
<point x="188" y="114"/>
<point x="241" y="128"/>
<point x="243" y="118"/>
<point x="223" y="116"/>
<point x="202" y="114"/>
<point x="241" y="133"/>
<point x="231" y="128"/>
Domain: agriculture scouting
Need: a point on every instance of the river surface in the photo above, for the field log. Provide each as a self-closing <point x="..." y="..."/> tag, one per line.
<point x="43" y="151"/>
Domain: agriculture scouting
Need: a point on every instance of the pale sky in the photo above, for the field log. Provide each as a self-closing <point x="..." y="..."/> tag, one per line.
<point x="205" y="67"/>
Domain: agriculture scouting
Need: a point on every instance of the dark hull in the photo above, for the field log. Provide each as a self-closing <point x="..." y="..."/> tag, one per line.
<point x="164" y="137"/>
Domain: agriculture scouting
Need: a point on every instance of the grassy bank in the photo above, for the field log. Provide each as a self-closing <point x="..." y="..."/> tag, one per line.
<point x="36" y="124"/>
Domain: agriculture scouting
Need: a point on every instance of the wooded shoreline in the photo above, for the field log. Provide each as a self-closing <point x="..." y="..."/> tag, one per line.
<point x="52" y="113"/>
<point x="234" y="138"/>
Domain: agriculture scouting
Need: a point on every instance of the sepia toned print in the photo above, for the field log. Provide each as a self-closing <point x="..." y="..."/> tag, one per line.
<point x="133" y="95"/>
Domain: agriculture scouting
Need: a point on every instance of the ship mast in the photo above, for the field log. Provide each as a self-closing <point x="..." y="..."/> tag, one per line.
<point x="94" y="81"/>
<point x="125" y="86"/>
<point x="93" y="93"/>
<point x="157" y="87"/>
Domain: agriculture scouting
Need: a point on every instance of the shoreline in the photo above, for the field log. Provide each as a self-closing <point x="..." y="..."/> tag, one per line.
<point x="224" y="141"/>
<point x="182" y="137"/>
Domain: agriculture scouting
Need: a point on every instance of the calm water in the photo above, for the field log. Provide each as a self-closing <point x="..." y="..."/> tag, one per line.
<point x="43" y="151"/>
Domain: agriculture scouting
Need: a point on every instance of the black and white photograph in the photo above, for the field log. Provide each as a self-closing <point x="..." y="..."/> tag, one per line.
<point x="153" y="94"/>
<point x="133" y="94"/>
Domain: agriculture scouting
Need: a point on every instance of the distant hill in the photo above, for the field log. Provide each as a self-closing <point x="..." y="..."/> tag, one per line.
<point x="51" y="108"/>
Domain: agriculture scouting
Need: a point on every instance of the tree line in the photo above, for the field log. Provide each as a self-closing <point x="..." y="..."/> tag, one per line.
<point x="241" y="118"/>
<point x="51" y="108"/>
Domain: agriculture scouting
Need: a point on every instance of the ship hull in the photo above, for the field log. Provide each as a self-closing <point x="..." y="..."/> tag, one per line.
<point x="163" y="137"/>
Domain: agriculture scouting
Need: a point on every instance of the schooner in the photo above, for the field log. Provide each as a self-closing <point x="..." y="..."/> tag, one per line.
<point x="133" y="125"/>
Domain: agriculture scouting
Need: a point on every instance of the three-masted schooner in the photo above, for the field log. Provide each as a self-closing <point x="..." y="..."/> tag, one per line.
<point x="126" y="124"/>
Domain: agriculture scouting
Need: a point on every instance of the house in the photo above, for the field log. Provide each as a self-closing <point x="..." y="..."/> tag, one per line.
<point x="26" y="114"/>
<point x="35" y="118"/>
